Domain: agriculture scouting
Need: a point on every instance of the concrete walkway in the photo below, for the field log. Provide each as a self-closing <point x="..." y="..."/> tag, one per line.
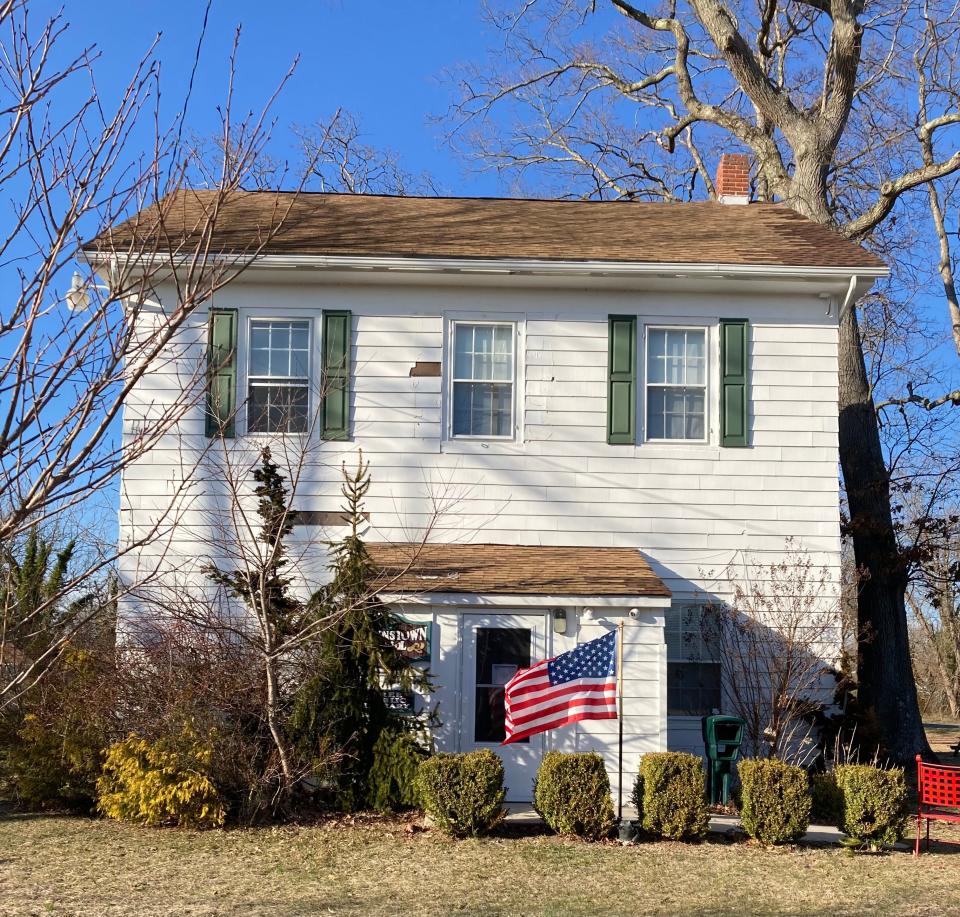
<point x="817" y="835"/>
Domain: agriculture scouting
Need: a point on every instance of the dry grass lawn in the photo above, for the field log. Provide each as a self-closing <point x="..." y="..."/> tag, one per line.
<point x="68" y="866"/>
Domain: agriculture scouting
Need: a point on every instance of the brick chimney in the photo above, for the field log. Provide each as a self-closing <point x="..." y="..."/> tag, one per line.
<point x="733" y="179"/>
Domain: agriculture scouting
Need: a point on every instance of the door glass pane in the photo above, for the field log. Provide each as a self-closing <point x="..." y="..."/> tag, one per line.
<point x="500" y="652"/>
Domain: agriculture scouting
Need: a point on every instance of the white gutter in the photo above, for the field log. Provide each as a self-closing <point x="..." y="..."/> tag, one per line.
<point x="531" y="266"/>
<point x="525" y="601"/>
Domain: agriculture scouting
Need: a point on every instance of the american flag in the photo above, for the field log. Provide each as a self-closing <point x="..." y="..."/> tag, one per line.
<point x="579" y="685"/>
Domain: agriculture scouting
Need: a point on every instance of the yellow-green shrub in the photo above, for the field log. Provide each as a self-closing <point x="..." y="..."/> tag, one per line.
<point x="775" y="800"/>
<point x="572" y="793"/>
<point x="165" y="782"/>
<point x="462" y="793"/>
<point x="670" y="795"/>
<point x="874" y="808"/>
<point x="53" y="765"/>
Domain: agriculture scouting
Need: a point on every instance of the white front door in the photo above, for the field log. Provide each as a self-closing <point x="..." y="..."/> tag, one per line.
<point x="493" y="648"/>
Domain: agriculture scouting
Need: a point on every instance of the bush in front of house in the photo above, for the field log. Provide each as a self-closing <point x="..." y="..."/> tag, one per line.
<point x="572" y="794"/>
<point x="670" y="795"/>
<point x="397" y="755"/>
<point x="462" y="793"/>
<point x="874" y="804"/>
<point x="826" y="799"/>
<point x="774" y="800"/>
<point x="166" y="782"/>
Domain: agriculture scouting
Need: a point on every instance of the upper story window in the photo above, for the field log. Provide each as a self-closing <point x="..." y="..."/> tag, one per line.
<point x="676" y="368"/>
<point x="278" y="376"/>
<point x="483" y="382"/>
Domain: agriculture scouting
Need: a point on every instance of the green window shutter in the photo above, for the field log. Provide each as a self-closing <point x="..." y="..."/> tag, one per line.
<point x="336" y="375"/>
<point x="734" y="382"/>
<point x="221" y="372"/>
<point x="622" y="381"/>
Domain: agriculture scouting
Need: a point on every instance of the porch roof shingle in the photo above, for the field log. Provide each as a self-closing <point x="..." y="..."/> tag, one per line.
<point x="497" y="569"/>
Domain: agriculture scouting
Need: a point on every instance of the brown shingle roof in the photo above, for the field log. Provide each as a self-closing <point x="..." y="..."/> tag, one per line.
<point x="497" y="569"/>
<point x="372" y="225"/>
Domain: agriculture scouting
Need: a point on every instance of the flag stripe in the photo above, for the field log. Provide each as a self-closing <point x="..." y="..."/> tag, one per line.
<point x="534" y="700"/>
<point x="562" y="722"/>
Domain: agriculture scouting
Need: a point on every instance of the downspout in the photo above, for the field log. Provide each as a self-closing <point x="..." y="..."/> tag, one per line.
<point x="851" y="289"/>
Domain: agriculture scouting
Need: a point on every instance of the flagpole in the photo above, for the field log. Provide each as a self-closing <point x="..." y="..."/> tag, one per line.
<point x="620" y="721"/>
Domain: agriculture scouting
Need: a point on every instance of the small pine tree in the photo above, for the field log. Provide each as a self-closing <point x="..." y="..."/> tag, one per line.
<point x="31" y="578"/>
<point x="344" y="705"/>
<point x="265" y="589"/>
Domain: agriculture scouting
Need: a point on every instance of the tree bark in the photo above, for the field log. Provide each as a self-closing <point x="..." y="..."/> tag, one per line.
<point x="887" y="690"/>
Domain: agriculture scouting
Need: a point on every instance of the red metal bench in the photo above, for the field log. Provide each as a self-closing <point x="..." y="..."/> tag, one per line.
<point x="938" y="789"/>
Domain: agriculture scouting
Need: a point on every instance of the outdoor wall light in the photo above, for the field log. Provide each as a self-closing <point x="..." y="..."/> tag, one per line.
<point x="78" y="296"/>
<point x="559" y="620"/>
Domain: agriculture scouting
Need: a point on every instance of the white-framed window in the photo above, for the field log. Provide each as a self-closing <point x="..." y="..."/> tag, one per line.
<point x="693" y="663"/>
<point x="278" y="375"/>
<point x="676" y="384"/>
<point x="483" y="380"/>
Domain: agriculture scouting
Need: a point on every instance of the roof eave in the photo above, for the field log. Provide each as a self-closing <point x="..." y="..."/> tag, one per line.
<point x="493" y="600"/>
<point x="520" y="266"/>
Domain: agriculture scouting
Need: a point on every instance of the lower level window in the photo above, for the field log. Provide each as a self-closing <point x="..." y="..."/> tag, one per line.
<point x="278" y="376"/>
<point x="693" y="664"/>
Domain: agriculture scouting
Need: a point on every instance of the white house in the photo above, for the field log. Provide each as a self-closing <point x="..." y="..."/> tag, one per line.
<point x="615" y="401"/>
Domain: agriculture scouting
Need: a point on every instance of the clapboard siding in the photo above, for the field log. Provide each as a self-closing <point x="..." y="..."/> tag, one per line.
<point x="687" y="506"/>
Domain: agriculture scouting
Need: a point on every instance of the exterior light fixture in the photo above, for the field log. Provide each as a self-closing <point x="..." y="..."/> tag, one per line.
<point x="78" y="296"/>
<point x="559" y="620"/>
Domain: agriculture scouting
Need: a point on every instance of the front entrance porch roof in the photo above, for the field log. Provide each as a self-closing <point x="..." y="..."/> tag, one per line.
<point x="515" y="570"/>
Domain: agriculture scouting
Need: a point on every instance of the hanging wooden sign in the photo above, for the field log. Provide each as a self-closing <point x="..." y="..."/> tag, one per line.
<point x="412" y="638"/>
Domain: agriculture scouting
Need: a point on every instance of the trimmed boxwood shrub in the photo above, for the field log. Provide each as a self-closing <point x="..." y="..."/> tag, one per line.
<point x="774" y="800"/>
<point x="670" y="795"/>
<point x="827" y="800"/>
<point x="874" y="804"/>
<point x="166" y="782"/>
<point x="462" y="793"/>
<point x="572" y="794"/>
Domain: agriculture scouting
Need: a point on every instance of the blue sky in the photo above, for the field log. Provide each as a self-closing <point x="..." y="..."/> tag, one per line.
<point x="382" y="61"/>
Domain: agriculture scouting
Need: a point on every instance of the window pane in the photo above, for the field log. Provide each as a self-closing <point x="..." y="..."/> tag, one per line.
<point x="259" y="361"/>
<point x="655" y="428"/>
<point x="483" y="352"/>
<point x="503" y="353"/>
<point x="656" y="352"/>
<point x="277" y="408"/>
<point x="463" y="352"/>
<point x="696" y="358"/>
<point x="482" y="409"/>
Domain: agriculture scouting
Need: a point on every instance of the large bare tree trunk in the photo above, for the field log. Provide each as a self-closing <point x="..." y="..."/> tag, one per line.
<point x="887" y="691"/>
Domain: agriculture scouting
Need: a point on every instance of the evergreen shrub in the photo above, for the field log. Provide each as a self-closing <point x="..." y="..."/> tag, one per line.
<point x="775" y="800"/>
<point x="572" y="794"/>
<point x="670" y="795"/>
<point x="396" y="757"/>
<point x="827" y="800"/>
<point x="166" y="782"/>
<point x="462" y="793"/>
<point x="874" y="804"/>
